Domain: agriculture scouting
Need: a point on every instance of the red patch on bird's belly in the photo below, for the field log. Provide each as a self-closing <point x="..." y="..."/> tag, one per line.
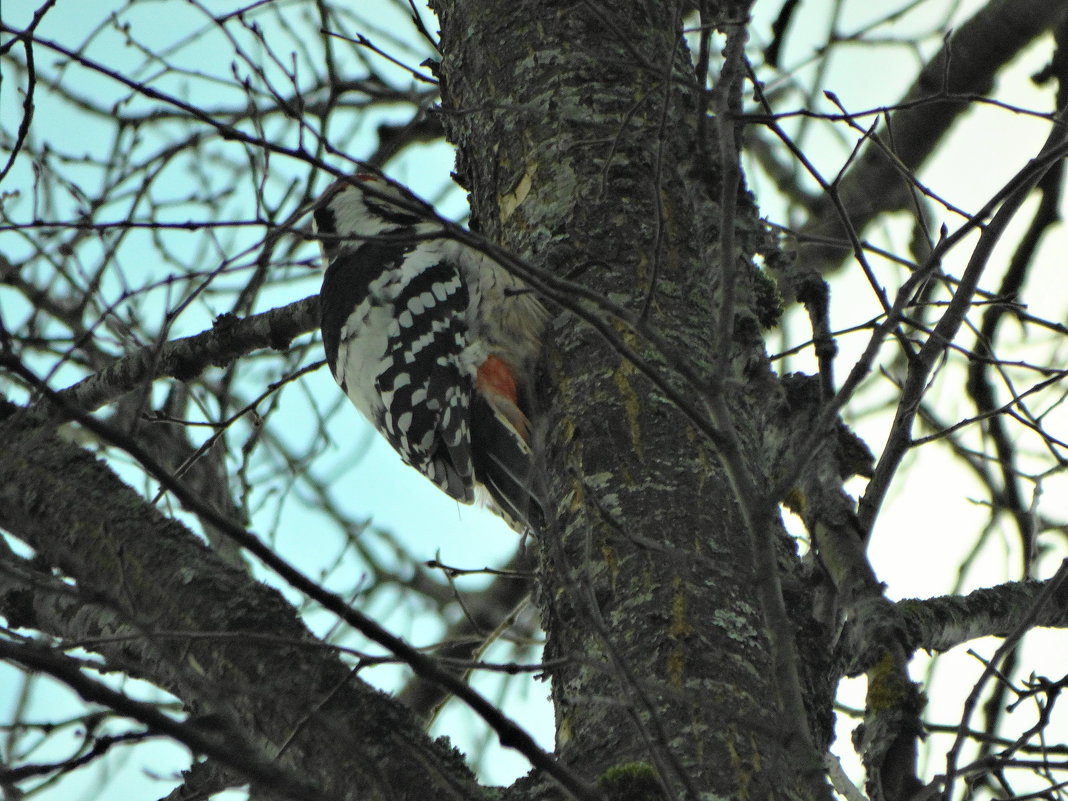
<point x="494" y="376"/>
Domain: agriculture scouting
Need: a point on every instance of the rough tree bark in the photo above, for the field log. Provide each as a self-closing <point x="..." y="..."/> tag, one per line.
<point x="168" y="609"/>
<point x="689" y="647"/>
<point x="580" y="130"/>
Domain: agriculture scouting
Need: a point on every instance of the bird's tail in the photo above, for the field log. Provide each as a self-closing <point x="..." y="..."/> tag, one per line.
<point x="502" y="458"/>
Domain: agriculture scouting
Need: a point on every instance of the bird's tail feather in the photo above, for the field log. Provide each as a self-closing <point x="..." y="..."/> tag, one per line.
<point x="504" y="465"/>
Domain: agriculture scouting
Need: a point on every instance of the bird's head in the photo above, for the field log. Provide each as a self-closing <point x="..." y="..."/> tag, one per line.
<point x="364" y="207"/>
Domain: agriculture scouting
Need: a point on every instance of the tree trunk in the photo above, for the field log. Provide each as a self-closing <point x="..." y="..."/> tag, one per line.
<point x="582" y="138"/>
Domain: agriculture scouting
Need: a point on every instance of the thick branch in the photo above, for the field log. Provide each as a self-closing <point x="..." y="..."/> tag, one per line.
<point x="221" y="745"/>
<point x="938" y="624"/>
<point x="299" y="705"/>
<point x="186" y="358"/>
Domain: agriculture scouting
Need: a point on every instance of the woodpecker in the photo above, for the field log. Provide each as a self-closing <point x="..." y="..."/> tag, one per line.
<point x="433" y="341"/>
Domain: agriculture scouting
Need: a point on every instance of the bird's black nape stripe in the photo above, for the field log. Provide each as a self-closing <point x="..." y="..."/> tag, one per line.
<point x="326" y="226"/>
<point x="391" y="213"/>
<point x="345" y="287"/>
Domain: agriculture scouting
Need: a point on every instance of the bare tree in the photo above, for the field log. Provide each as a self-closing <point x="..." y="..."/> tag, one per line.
<point x="763" y="305"/>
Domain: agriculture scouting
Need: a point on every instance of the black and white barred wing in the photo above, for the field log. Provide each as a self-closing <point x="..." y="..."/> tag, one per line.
<point x="432" y="340"/>
<point x="394" y="334"/>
